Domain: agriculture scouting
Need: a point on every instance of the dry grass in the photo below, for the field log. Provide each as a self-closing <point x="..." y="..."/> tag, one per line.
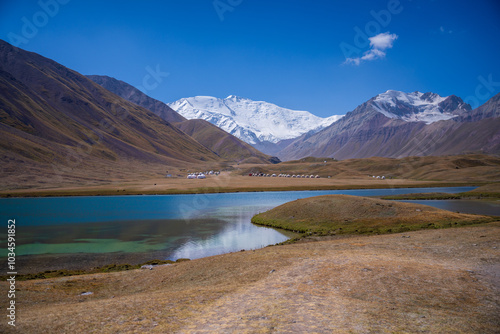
<point x="225" y="182"/>
<point x="434" y="281"/>
<point x="125" y="177"/>
<point x="343" y="214"/>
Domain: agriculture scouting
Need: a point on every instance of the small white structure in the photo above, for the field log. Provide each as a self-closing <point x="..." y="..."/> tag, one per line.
<point x="191" y="176"/>
<point x="317" y="176"/>
<point x="201" y="176"/>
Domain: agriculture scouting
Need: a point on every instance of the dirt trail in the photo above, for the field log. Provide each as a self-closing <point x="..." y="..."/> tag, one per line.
<point x="402" y="284"/>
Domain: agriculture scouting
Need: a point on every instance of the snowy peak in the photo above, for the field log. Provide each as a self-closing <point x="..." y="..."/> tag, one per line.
<point x="419" y="107"/>
<point x="251" y="121"/>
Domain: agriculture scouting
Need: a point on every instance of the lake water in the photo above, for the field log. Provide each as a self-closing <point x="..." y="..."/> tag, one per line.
<point x="479" y="207"/>
<point x="168" y="226"/>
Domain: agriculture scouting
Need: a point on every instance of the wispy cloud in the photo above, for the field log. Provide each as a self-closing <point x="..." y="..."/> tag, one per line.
<point x="378" y="46"/>
<point x="444" y="31"/>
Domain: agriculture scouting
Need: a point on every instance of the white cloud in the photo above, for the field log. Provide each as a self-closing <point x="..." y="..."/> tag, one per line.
<point x="383" y="41"/>
<point x="378" y="46"/>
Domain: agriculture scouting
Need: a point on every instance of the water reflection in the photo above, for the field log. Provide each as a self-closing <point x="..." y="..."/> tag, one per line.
<point x="236" y="235"/>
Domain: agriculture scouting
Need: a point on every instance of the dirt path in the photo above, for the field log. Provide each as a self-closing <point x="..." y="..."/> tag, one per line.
<point x="406" y="285"/>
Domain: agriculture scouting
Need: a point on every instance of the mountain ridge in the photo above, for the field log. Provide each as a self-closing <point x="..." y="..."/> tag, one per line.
<point x="387" y="128"/>
<point x="252" y="121"/>
<point x="132" y="94"/>
<point x="212" y="137"/>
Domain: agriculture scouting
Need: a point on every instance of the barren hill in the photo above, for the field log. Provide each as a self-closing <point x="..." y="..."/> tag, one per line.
<point x="224" y="144"/>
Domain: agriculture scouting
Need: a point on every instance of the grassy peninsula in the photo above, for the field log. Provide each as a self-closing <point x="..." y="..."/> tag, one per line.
<point x="343" y="214"/>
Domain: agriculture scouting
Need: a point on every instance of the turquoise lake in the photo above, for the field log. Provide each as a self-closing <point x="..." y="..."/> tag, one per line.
<point x="170" y="226"/>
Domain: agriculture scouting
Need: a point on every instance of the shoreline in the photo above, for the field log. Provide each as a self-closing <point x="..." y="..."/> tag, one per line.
<point x="82" y="191"/>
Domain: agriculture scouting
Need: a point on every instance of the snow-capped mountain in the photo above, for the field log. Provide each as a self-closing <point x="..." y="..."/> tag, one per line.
<point x="397" y="124"/>
<point x="418" y="107"/>
<point x="251" y="121"/>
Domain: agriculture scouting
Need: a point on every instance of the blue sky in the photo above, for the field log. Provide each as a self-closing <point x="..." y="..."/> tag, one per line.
<point x="289" y="52"/>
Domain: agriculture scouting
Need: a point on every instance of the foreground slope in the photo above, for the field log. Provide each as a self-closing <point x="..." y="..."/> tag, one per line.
<point x="435" y="281"/>
<point x="56" y="121"/>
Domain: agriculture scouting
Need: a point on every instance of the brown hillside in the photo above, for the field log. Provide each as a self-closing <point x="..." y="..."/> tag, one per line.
<point x="365" y="132"/>
<point x="134" y="95"/>
<point x="224" y="144"/>
<point x="54" y="119"/>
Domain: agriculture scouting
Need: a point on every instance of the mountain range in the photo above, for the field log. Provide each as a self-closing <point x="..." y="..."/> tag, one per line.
<point x="391" y="124"/>
<point x="254" y="122"/>
<point x="214" y="138"/>
<point x="396" y="124"/>
<point x="55" y="119"/>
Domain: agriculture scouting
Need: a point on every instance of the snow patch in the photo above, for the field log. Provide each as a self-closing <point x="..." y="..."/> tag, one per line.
<point x="412" y="107"/>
